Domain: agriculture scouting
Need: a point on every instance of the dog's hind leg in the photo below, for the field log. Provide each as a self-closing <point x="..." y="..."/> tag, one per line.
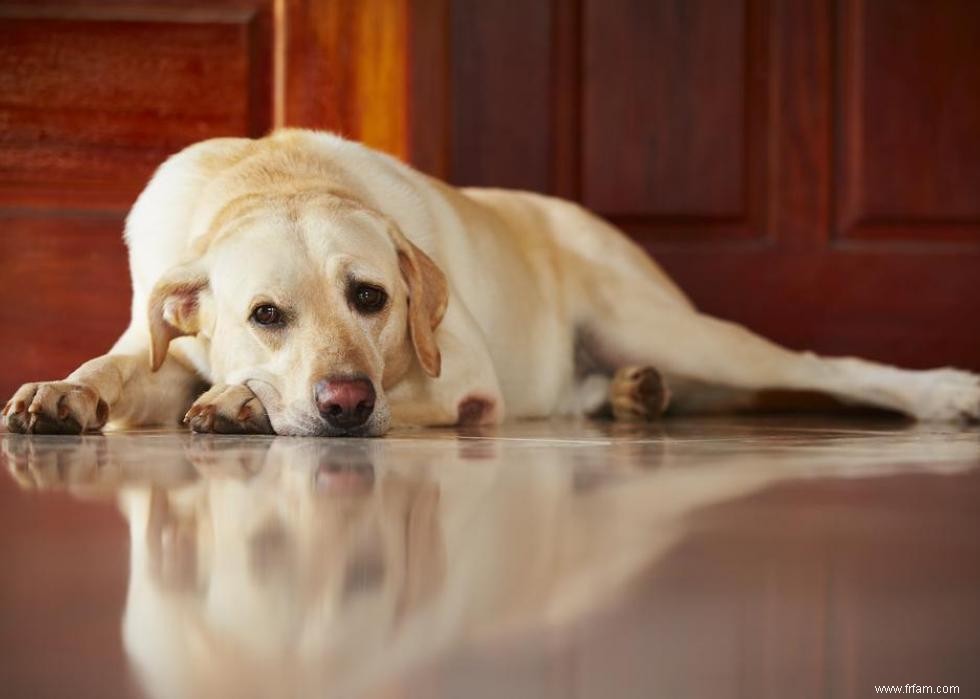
<point x="630" y="330"/>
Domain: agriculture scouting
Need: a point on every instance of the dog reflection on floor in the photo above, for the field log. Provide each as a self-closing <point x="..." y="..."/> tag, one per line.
<point x="277" y="580"/>
<point x="298" y="567"/>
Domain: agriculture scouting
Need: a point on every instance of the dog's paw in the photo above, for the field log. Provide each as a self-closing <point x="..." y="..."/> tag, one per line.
<point x="224" y="409"/>
<point x="55" y="407"/>
<point x="638" y="393"/>
<point x="946" y="395"/>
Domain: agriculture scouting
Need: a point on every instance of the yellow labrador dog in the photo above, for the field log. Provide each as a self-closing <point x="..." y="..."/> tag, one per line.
<point x="322" y="288"/>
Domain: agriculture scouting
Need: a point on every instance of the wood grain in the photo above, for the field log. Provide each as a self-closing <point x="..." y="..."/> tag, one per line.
<point x="65" y="284"/>
<point x="346" y="70"/>
<point x="501" y="77"/>
<point x="909" y="131"/>
<point x="91" y="101"/>
<point x="665" y="108"/>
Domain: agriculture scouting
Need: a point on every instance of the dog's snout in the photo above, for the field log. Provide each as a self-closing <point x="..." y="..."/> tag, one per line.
<point x="345" y="403"/>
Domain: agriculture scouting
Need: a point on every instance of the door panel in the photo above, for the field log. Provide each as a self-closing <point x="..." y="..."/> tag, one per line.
<point x="92" y="99"/>
<point x="66" y="292"/>
<point x="909" y="121"/>
<point x="673" y="138"/>
<point x="665" y="119"/>
<point x="500" y="79"/>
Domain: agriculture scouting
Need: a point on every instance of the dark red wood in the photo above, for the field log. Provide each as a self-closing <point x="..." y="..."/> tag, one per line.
<point x="428" y="115"/>
<point x="501" y="97"/>
<point x="66" y="287"/>
<point x="560" y="92"/>
<point x="667" y="109"/>
<point x="909" y="120"/>
<point x="566" y="116"/>
<point x="808" y="168"/>
<point x="93" y="98"/>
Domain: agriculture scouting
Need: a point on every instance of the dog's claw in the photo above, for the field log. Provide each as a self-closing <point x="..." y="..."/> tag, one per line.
<point x="191" y="413"/>
<point x="55" y="407"/>
<point x="227" y="409"/>
<point x="204" y="420"/>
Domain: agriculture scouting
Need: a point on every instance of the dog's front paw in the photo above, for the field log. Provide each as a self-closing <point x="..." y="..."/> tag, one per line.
<point x="638" y="393"/>
<point x="227" y="409"/>
<point x="55" y="407"/>
<point x="946" y="395"/>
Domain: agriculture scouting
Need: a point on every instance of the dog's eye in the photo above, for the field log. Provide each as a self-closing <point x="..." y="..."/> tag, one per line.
<point x="368" y="298"/>
<point x="267" y="314"/>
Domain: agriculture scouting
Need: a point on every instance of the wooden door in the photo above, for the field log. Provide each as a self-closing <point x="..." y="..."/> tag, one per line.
<point x="808" y="168"/>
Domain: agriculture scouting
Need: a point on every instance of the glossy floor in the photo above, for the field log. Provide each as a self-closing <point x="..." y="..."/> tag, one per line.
<point x="736" y="558"/>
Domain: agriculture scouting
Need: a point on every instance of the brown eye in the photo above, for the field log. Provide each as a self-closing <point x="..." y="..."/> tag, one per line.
<point x="267" y="314"/>
<point x="368" y="299"/>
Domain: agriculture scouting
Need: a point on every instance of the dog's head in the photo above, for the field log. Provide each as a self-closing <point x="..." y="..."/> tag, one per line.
<point x="315" y="301"/>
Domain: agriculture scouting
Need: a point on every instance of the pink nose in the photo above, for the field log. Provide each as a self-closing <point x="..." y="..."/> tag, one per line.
<point x="344" y="403"/>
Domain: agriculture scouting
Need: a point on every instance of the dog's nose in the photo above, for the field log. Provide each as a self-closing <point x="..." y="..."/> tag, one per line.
<point x="345" y="403"/>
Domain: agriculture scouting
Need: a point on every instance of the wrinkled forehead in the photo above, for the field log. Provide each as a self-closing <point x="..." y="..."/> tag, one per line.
<point x="286" y="246"/>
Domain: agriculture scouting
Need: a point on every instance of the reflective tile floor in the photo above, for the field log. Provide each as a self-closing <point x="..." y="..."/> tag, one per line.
<point x="718" y="558"/>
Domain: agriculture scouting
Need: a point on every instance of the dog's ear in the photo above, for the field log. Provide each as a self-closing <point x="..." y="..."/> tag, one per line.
<point x="428" y="296"/>
<point x="174" y="308"/>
